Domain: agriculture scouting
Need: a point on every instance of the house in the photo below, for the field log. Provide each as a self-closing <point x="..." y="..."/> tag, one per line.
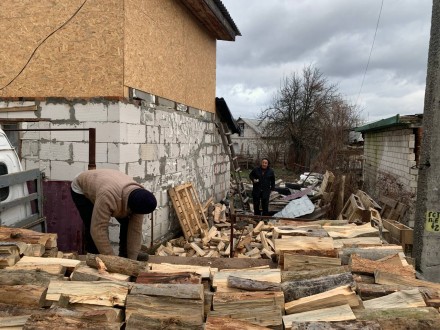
<point x="141" y="72"/>
<point x="249" y="142"/>
<point x="391" y="159"/>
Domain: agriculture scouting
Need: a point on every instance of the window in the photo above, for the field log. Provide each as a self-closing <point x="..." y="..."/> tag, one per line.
<point x="241" y="126"/>
<point x="4" y="192"/>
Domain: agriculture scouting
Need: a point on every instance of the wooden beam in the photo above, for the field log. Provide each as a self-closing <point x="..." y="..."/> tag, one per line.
<point x="17" y="109"/>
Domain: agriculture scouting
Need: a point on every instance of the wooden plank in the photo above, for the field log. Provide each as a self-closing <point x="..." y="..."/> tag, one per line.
<point x="181" y="215"/>
<point x="198" y="206"/>
<point x="297" y="262"/>
<point x="170" y="278"/>
<point x="226" y="323"/>
<point x="341" y="295"/>
<point x="401" y="299"/>
<point x="331" y="314"/>
<point x="103" y="293"/>
<point x="19" y="109"/>
<point x="298" y="289"/>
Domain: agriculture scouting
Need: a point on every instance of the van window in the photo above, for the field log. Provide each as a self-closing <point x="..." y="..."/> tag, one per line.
<point x="4" y="192"/>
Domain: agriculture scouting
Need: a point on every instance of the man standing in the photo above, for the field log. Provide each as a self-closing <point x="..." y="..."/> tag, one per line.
<point x="263" y="179"/>
<point x="102" y="194"/>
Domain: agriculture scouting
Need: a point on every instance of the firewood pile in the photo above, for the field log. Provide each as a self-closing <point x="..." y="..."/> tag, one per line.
<point x="328" y="275"/>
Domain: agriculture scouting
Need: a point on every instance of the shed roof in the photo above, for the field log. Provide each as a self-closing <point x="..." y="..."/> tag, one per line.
<point x="225" y="115"/>
<point x="394" y="121"/>
<point x="215" y="18"/>
<point x="256" y="124"/>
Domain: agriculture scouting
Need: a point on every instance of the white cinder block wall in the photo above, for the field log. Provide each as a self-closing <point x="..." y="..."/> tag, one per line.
<point x="392" y="152"/>
<point x="157" y="145"/>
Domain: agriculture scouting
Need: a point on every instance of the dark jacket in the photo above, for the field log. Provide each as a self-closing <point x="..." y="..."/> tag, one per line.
<point x="265" y="184"/>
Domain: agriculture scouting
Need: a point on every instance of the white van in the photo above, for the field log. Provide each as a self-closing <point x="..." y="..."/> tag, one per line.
<point x="10" y="163"/>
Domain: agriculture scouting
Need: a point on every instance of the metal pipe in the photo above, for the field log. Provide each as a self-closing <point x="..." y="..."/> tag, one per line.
<point x="92" y="139"/>
<point x="152" y="232"/>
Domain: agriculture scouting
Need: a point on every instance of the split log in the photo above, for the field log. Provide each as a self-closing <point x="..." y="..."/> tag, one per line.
<point x="252" y="285"/>
<point x="260" y="308"/>
<point x="86" y="273"/>
<point x="37" y="262"/>
<point x="366" y="266"/>
<point x="198" y="250"/>
<point x="298" y="289"/>
<point x="103" y="293"/>
<point x="144" y="321"/>
<point x="34" y="250"/>
<point x="226" y="323"/>
<point x="401" y="299"/>
<point x="171" y="278"/>
<point x="367" y="279"/>
<point x="13" y="322"/>
<point x="7" y="260"/>
<point x="220" y="279"/>
<point x="28" y="236"/>
<point x="156" y="311"/>
<point x="370" y="291"/>
<point x="23" y="295"/>
<point x="22" y="277"/>
<point x="303" y="275"/>
<point x="116" y="264"/>
<point x="371" y="253"/>
<point x="357" y="242"/>
<point x="298" y="262"/>
<point x="51" y="253"/>
<point x="352" y="231"/>
<point x="181" y="291"/>
<point x="387" y="278"/>
<point x="54" y="321"/>
<point x="332" y="314"/>
<point x="51" y="268"/>
<point x="342" y="295"/>
<point x="420" y="313"/>
<point x="203" y="271"/>
<point x="300" y="243"/>
<point x="346" y="325"/>
<point x="105" y="313"/>
<point x="7" y="310"/>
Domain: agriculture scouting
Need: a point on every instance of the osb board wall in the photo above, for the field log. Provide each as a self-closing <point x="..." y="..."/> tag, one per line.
<point x="82" y="59"/>
<point x="168" y="53"/>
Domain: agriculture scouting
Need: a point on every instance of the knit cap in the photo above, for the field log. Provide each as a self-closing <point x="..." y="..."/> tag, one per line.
<point x="141" y="201"/>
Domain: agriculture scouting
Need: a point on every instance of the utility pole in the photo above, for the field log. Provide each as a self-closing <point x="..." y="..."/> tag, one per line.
<point x="427" y="224"/>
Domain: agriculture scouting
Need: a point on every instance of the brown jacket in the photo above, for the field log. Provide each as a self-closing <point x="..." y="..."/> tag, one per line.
<point x="109" y="191"/>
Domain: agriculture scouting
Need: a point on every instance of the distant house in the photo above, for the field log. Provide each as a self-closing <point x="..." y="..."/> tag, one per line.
<point x="249" y="142"/>
<point x="391" y="152"/>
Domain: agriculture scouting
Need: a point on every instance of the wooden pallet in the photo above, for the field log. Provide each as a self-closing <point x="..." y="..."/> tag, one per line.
<point x="189" y="211"/>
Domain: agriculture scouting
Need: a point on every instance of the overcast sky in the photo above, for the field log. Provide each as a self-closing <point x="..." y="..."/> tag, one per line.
<point x="282" y="36"/>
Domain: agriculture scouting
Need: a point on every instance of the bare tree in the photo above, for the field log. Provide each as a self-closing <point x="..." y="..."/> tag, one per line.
<point x="310" y="115"/>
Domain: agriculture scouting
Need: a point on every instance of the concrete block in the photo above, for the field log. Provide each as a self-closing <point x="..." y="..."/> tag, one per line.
<point x="55" y="151"/>
<point x="136" y="133"/>
<point x="152" y="134"/>
<point x="117" y="167"/>
<point x="81" y="152"/>
<point x="42" y="165"/>
<point x="148" y="151"/>
<point x="29" y="149"/>
<point x="122" y="152"/>
<point x="109" y="132"/>
<point x="136" y="170"/>
<point x="91" y="112"/>
<point x="147" y="116"/>
<point x="69" y="136"/>
<point x="174" y="150"/>
<point x="64" y="171"/>
<point x="35" y="135"/>
<point x="129" y="113"/>
<point x="113" y="110"/>
<point x="153" y="168"/>
<point x="59" y="111"/>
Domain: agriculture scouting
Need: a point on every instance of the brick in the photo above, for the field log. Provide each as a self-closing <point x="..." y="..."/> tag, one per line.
<point x="91" y="112"/>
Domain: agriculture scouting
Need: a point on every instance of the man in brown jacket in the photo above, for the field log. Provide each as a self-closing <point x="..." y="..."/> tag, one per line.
<point x="104" y="193"/>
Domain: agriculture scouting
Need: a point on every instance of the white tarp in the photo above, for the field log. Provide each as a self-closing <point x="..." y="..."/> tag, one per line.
<point x="296" y="208"/>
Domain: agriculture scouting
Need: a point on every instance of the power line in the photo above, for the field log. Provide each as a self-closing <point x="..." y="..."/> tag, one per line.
<point x="42" y="41"/>
<point x="371" y="51"/>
